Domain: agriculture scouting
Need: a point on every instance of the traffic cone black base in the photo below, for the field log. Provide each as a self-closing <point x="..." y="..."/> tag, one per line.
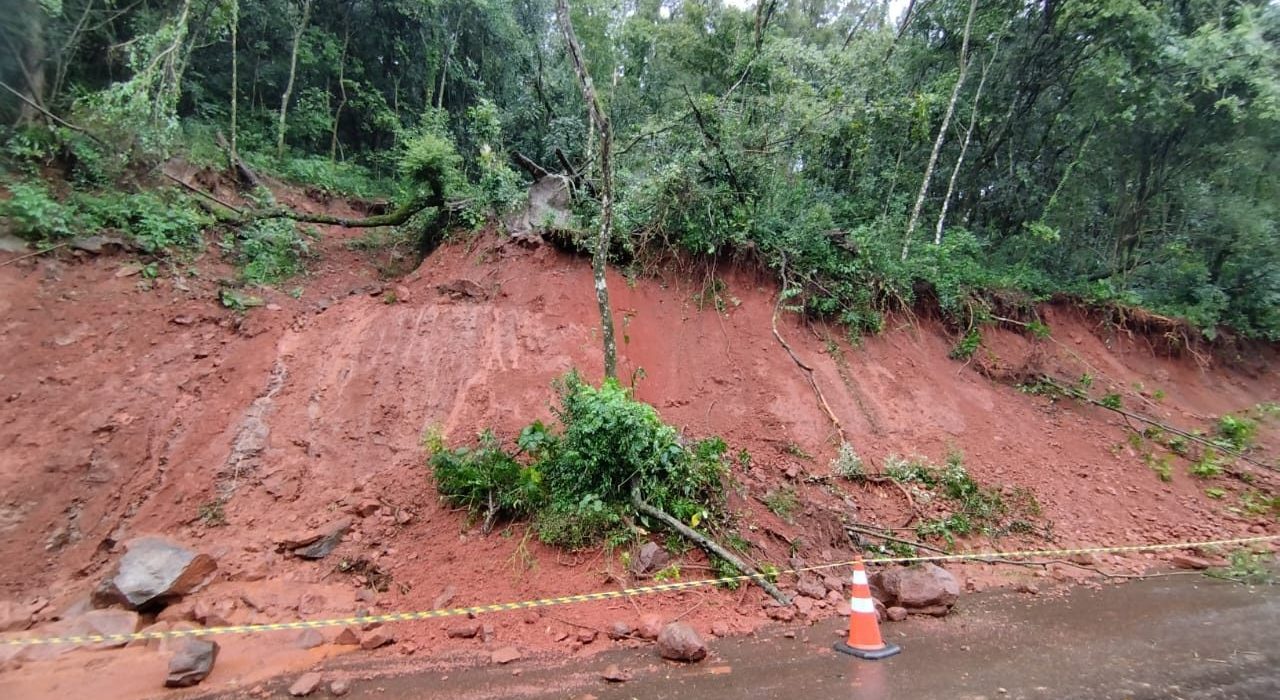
<point x="869" y="654"/>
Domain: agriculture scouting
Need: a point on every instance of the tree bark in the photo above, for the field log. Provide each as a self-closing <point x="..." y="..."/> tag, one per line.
<point x="599" y="258"/>
<point x="942" y="133"/>
<point x="33" y="64"/>
<point x="964" y="146"/>
<point x="293" y="71"/>
<point x="707" y="544"/>
<point x="235" y="76"/>
<point x="342" y="90"/>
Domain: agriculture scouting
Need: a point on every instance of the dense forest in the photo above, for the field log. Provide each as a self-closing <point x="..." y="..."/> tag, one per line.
<point x="873" y="155"/>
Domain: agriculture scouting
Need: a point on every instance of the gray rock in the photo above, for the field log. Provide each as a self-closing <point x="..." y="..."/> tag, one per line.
<point x="925" y="589"/>
<point x="811" y="587"/>
<point x="154" y="570"/>
<point x="191" y="663"/>
<point x="649" y="559"/>
<point x="328" y="541"/>
<point x="679" y="642"/>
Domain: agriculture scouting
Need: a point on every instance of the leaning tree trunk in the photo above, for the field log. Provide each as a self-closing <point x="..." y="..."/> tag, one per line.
<point x="293" y="71"/>
<point x="942" y="133"/>
<point x="600" y="257"/>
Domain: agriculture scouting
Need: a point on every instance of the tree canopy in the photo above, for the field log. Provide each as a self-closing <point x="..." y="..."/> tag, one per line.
<point x="1123" y="151"/>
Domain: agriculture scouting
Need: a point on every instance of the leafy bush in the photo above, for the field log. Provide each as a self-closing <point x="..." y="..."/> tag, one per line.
<point x="1236" y="432"/>
<point x="269" y="251"/>
<point x="34" y="212"/>
<point x="487" y="480"/>
<point x="576" y="482"/>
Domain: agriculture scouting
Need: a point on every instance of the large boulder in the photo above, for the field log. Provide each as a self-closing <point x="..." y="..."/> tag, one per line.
<point x="154" y="571"/>
<point x="191" y="662"/>
<point x="926" y="589"/>
<point x="679" y="642"/>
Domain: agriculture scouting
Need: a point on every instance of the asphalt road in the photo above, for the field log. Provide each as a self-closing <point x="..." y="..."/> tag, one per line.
<point x="1184" y="637"/>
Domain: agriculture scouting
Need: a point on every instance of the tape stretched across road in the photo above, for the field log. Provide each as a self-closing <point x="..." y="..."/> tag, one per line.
<point x="602" y="595"/>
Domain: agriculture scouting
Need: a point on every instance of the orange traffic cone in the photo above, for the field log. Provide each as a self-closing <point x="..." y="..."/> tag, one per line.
<point x="864" y="628"/>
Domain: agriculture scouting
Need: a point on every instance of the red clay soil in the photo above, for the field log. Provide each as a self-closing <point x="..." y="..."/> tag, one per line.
<point x="129" y="405"/>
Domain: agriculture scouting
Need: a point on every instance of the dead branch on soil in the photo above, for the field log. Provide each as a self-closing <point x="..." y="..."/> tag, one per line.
<point x="32" y="255"/>
<point x="865" y="530"/>
<point x="1081" y="396"/>
<point x="707" y="544"/>
<point x="808" y="371"/>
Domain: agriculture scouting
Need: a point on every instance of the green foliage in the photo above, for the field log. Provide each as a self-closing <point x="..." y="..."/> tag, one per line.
<point x="968" y="345"/>
<point x="1237" y="432"/>
<point x="1252" y="568"/>
<point x="487" y="480"/>
<point x="972" y="507"/>
<point x="1208" y="465"/>
<point x="576" y="482"/>
<point x="34" y="213"/>
<point x="1112" y="400"/>
<point x="268" y="251"/>
<point x="782" y="502"/>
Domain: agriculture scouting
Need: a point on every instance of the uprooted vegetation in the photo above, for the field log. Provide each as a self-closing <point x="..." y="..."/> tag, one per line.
<point x="609" y="470"/>
<point x="946" y="500"/>
<point x="574" y="480"/>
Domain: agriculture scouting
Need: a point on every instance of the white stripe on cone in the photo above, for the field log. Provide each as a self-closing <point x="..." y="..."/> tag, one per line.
<point x="862" y="605"/>
<point x="859" y="577"/>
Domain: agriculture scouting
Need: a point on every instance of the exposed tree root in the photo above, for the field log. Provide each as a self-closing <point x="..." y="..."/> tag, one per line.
<point x="808" y="371"/>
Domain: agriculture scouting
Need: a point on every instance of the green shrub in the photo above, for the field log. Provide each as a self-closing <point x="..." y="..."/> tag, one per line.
<point x="486" y="480"/>
<point x="1237" y="433"/>
<point x="35" y="213"/>
<point x="847" y="464"/>
<point x="576" y="482"/>
<point x="269" y="251"/>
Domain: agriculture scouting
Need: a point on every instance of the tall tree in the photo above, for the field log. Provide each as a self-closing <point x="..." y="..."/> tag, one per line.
<point x="293" y="71"/>
<point x="604" y="149"/>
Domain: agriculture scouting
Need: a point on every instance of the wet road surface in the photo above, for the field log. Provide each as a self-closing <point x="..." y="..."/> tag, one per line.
<point x="1184" y="637"/>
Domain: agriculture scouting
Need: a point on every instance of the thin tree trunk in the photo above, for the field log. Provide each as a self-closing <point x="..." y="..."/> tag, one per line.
<point x="942" y="132"/>
<point x="599" y="258"/>
<point x="235" y="74"/>
<point x="342" y="90"/>
<point x="444" y="69"/>
<point x="964" y="146"/>
<point x="288" y="86"/>
<point x="33" y="64"/>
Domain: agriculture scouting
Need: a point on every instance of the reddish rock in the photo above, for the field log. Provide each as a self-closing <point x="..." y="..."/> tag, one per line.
<point x="104" y="622"/>
<point x="651" y="557"/>
<point x="347" y="637"/>
<point x="614" y="674"/>
<point x="1188" y="561"/>
<point x="587" y="636"/>
<point x="804" y="606"/>
<point x="720" y="629"/>
<point x="305" y="685"/>
<point x="465" y="630"/>
<point x="214" y="613"/>
<point x="679" y="642"/>
<point x="650" y="627"/>
<point x="896" y="614"/>
<point x="809" y="586"/>
<point x="14" y="617"/>
<point x="619" y="630"/>
<point x="506" y="655"/>
<point x="375" y="639"/>
<point x="781" y="613"/>
<point x="340" y="687"/>
<point x="926" y="589"/>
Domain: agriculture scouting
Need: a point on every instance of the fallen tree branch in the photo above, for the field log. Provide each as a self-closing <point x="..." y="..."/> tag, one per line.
<point x="1081" y="396"/>
<point x="537" y="171"/>
<point x="707" y="544"/>
<point x="207" y="195"/>
<point x="54" y="117"/>
<point x="32" y="255"/>
<point x="928" y="547"/>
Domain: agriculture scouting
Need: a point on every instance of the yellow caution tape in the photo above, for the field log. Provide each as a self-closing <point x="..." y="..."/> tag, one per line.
<point x="602" y="595"/>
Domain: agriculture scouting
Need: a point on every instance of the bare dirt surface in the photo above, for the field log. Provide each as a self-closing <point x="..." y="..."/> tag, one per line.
<point x="130" y="406"/>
